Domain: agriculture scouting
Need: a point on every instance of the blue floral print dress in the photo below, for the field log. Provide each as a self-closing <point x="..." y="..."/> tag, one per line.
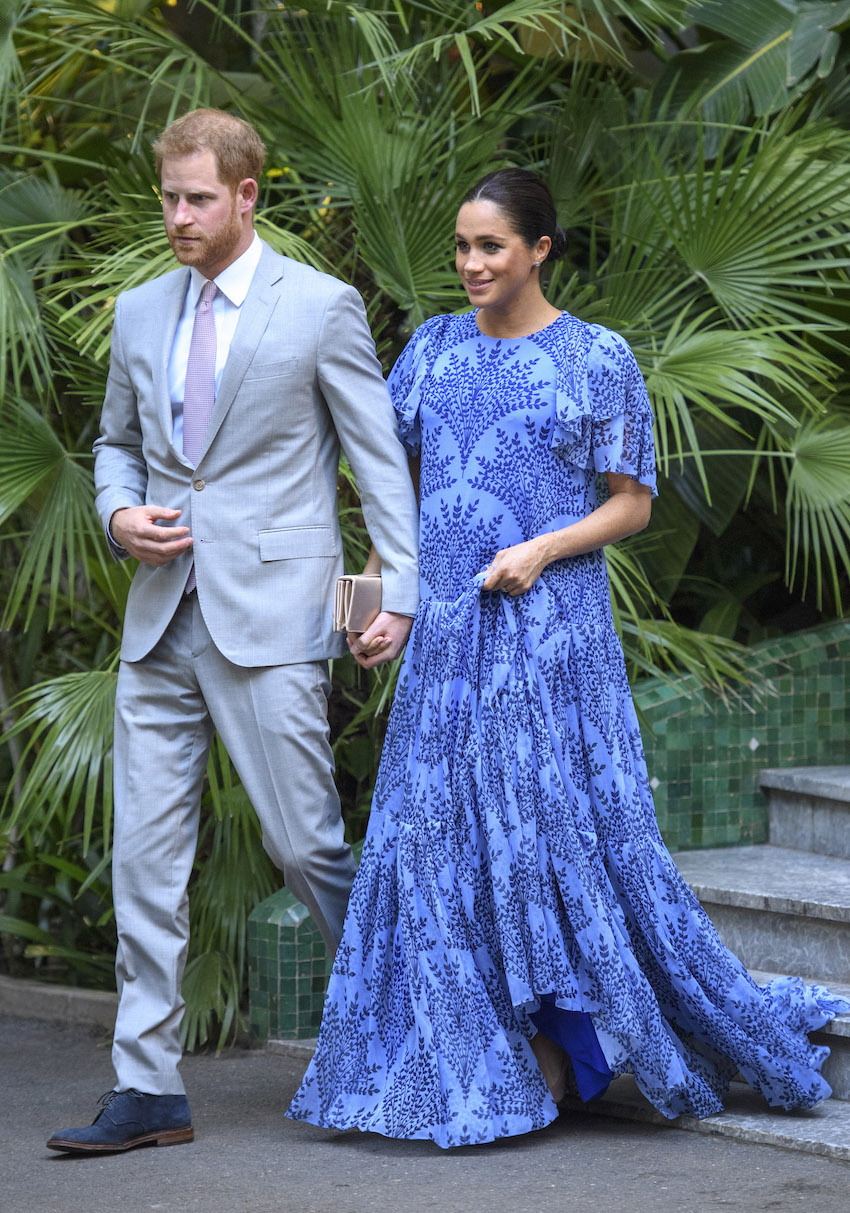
<point x="513" y="875"/>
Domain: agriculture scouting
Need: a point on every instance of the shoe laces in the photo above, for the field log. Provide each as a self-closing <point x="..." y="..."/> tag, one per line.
<point x="108" y="1096"/>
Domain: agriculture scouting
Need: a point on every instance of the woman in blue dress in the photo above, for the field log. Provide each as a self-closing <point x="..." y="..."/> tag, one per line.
<point x="517" y="925"/>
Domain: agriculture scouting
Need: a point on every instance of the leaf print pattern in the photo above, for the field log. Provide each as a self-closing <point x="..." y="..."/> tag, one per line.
<point x="513" y="860"/>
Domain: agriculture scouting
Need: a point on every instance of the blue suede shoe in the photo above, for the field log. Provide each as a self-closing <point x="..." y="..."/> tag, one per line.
<point x="128" y="1119"/>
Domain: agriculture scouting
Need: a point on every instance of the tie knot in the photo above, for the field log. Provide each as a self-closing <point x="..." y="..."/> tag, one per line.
<point x="208" y="292"/>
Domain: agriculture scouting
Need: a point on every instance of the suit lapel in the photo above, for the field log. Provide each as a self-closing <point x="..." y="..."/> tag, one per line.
<point x="176" y="285"/>
<point x="254" y="316"/>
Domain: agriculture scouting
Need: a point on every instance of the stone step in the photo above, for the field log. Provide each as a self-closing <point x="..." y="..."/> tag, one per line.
<point x="824" y="1129"/>
<point x="809" y="808"/>
<point x="778" y="909"/>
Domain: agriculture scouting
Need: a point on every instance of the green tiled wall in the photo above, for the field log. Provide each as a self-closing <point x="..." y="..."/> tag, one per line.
<point x="704" y="755"/>
<point x="287" y="970"/>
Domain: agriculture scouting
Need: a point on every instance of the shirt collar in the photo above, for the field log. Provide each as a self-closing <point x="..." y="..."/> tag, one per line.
<point x="234" y="281"/>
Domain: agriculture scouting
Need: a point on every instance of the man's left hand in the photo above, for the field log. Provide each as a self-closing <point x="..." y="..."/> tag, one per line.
<point x="382" y="641"/>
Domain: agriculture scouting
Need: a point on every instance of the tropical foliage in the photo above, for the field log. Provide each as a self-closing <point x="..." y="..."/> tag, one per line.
<point x="700" y="156"/>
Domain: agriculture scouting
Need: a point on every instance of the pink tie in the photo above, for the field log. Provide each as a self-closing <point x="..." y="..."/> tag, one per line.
<point x="199" y="392"/>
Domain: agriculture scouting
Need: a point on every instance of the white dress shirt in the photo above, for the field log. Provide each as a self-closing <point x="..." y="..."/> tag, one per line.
<point x="233" y="284"/>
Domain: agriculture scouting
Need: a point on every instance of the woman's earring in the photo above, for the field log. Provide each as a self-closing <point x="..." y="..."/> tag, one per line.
<point x="536" y="265"/>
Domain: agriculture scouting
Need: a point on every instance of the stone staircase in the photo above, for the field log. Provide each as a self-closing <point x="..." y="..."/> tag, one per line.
<point x="783" y="908"/>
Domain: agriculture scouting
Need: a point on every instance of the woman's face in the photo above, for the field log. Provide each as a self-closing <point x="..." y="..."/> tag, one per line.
<point x="494" y="262"/>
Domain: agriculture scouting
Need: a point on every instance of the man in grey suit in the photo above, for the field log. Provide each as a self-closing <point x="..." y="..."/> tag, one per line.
<point x="232" y="382"/>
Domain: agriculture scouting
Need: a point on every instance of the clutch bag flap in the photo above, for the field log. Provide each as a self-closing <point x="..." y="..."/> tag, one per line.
<point x="357" y="601"/>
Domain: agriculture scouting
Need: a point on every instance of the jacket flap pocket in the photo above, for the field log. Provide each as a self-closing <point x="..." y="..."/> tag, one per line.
<point x="294" y="542"/>
<point x="279" y="369"/>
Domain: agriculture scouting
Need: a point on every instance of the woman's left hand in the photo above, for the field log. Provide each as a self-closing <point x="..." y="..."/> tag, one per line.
<point x="515" y="570"/>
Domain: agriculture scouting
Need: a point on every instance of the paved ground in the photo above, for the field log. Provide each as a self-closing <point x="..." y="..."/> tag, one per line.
<point x="248" y="1159"/>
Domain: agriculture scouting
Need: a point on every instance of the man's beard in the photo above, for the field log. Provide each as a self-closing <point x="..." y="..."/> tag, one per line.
<point x="207" y="249"/>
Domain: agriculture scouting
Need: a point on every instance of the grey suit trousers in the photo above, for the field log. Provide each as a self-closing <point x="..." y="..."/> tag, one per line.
<point x="273" y="721"/>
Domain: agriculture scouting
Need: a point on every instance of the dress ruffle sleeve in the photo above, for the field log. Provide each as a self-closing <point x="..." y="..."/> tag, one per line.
<point x="406" y="379"/>
<point x="603" y="415"/>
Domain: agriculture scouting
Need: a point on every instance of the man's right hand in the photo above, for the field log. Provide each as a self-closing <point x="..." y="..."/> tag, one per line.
<point x="134" y="528"/>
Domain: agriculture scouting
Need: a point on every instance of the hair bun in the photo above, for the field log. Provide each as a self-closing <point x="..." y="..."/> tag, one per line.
<point x="559" y="244"/>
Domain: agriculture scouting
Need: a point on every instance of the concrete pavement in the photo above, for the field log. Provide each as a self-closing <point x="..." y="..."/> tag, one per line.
<point x="247" y="1158"/>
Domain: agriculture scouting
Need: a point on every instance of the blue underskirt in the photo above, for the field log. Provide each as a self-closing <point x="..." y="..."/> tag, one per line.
<point x="575" y="1033"/>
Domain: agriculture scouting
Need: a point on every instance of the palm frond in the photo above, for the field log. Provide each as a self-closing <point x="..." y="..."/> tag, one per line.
<point x="37" y="469"/>
<point x="211" y="989"/>
<point x="22" y="339"/>
<point x="664" y="649"/>
<point x="66" y="762"/>
<point x="236" y="874"/>
<point x="473" y="35"/>
<point x="42" y="944"/>
<point x="760" y="226"/>
<point x="701" y="370"/>
<point x="818" y="506"/>
<point x="118" y="60"/>
<point x="762" y="52"/>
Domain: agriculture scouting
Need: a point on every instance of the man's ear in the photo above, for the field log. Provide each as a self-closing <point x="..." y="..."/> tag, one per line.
<point x="247" y="192"/>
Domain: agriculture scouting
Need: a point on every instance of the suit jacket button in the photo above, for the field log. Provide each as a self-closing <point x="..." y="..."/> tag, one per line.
<point x="198" y="484"/>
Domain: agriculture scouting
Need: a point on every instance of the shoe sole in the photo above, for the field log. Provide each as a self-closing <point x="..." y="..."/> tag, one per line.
<point x="167" y="1137"/>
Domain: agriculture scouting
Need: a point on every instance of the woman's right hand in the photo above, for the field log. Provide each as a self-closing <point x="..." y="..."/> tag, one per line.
<point x="514" y="570"/>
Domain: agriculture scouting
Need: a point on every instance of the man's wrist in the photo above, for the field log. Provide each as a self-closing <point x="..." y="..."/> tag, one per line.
<point x="110" y="533"/>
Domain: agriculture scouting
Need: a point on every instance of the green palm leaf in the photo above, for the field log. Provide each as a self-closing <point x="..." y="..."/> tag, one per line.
<point x="235" y="875"/>
<point x="664" y="649"/>
<point x="35" y="468"/>
<point x="211" y="989"/>
<point x="762" y="227"/>
<point x="474" y="34"/>
<point x="381" y="173"/>
<point x="22" y="339"/>
<point x="120" y="60"/>
<point x="764" y="52"/>
<point x="715" y="370"/>
<point x="818" y="506"/>
<point x="43" y="944"/>
<point x="66" y="762"/>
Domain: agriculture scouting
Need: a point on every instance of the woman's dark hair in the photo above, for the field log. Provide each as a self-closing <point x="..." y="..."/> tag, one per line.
<point x="527" y="203"/>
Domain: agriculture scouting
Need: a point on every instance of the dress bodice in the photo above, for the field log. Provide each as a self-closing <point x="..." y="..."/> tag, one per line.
<point x="512" y="434"/>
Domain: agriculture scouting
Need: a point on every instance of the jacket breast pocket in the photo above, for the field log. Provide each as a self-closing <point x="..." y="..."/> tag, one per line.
<point x="282" y="368"/>
<point x="298" y="543"/>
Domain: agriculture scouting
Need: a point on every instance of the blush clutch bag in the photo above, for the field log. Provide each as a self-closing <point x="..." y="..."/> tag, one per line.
<point x="357" y="601"/>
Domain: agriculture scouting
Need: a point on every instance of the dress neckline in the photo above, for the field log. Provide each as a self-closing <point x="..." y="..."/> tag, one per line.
<point x="525" y="337"/>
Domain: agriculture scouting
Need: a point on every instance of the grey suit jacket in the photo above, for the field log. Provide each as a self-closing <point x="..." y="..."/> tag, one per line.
<point x="301" y="376"/>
